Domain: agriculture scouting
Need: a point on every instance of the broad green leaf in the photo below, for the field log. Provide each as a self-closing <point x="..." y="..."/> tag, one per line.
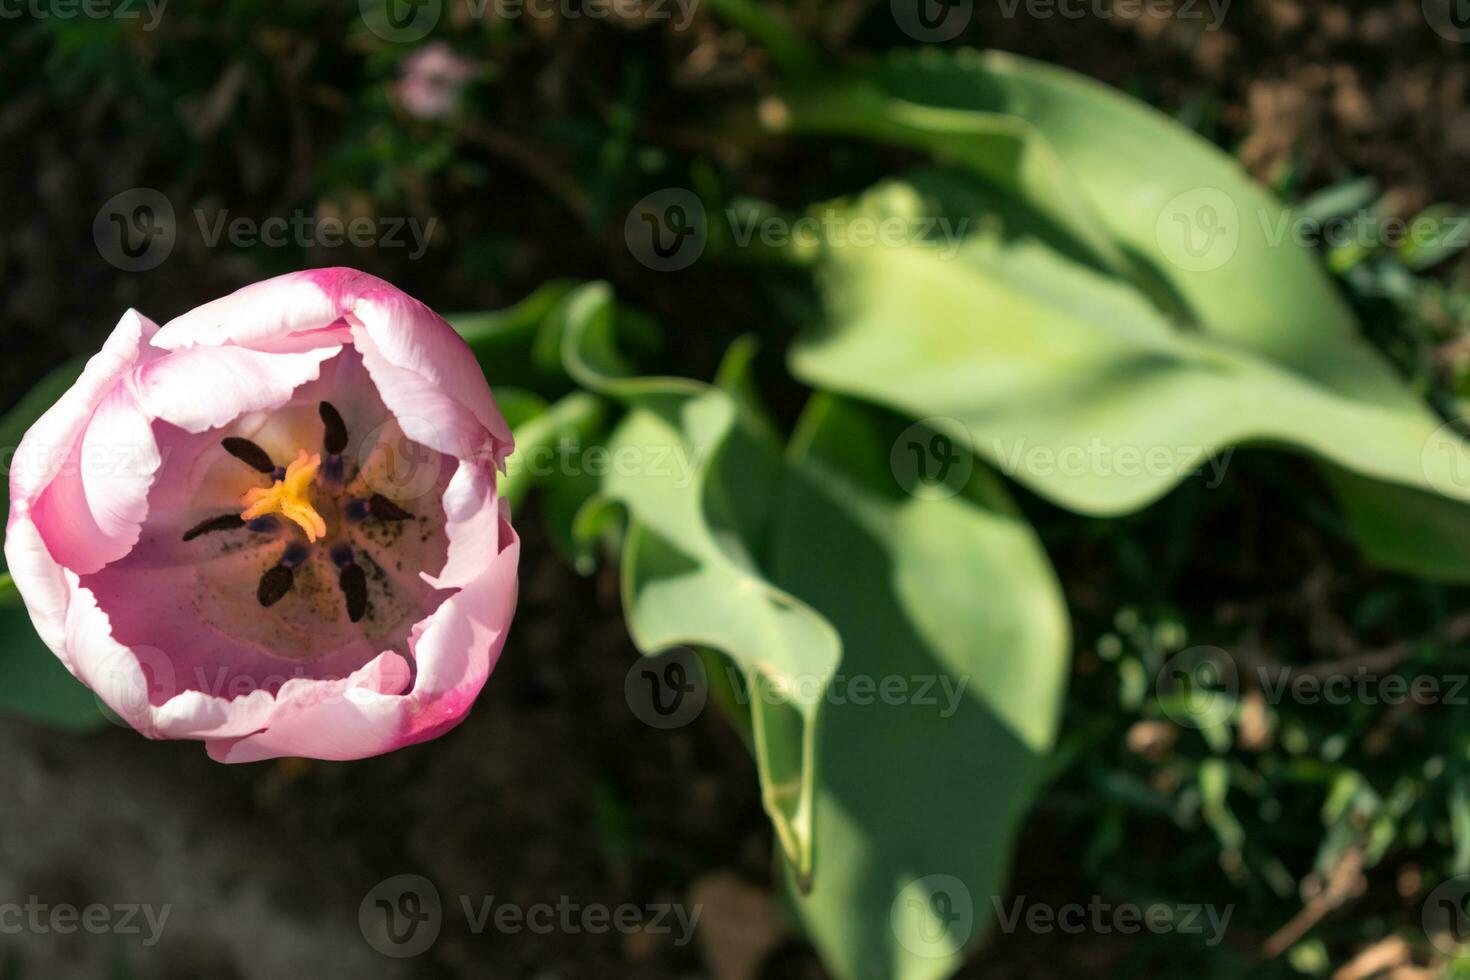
<point x="1184" y="214"/>
<point x="698" y="486"/>
<point x="512" y="344"/>
<point x="1210" y="250"/>
<point x="1072" y="383"/>
<point x="33" y="683"/>
<point x="540" y="436"/>
<point x="950" y="606"/>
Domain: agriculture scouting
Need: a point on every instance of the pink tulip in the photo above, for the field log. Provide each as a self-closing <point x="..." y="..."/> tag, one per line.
<point x="273" y="523"/>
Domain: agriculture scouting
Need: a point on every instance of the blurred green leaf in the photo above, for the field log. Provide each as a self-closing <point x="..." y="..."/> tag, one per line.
<point x="949" y="608"/>
<point x="698" y="488"/>
<point x="1216" y="326"/>
<point x="1073" y="384"/>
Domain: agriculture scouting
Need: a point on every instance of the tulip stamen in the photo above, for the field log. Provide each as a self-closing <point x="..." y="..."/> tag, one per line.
<point x="224" y="522"/>
<point x="290" y="497"/>
<point x="352" y="580"/>
<point x="386" y="510"/>
<point x="334" y="440"/>
<point x="274" y="585"/>
<point x="250" y="454"/>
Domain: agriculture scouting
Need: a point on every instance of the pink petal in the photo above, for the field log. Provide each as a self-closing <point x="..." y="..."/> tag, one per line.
<point x="261" y="314"/>
<point x="209" y="387"/>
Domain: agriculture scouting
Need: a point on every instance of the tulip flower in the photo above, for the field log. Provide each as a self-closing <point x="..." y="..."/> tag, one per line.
<point x="273" y="523"/>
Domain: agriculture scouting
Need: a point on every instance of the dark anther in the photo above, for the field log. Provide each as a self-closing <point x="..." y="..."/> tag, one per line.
<point x="357" y="510"/>
<point x="341" y="555"/>
<point x="224" y="522"/>
<point x="249" y="453"/>
<point x="274" y="585"/>
<point x="295" y="554"/>
<point x="353" y="581"/>
<point x="263" y="524"/>
<point x="386" y="510"/>
<point x="334" y="440"/>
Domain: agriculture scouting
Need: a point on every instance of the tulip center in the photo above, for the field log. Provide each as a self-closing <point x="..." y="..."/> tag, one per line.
<point x="290" y="497"/>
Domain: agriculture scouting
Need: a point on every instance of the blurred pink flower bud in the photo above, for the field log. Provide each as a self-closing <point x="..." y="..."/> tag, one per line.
<point x="432" y="79"/>
<point x="273" y="523"/>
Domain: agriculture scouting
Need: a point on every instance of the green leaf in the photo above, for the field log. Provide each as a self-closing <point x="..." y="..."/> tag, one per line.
<point x="697" y="490"/>
<point x="519" y="344"/>
<point x="952" y="602"/>
<point x="33" y="683"/>
<point x="1072" y="383"/>
<point x="1162" y="301"/>
<point x="905" y="784"/>
<point x="1113" y="175"/>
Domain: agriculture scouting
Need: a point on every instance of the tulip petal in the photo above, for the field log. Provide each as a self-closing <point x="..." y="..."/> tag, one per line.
<point x="206" y="388"/>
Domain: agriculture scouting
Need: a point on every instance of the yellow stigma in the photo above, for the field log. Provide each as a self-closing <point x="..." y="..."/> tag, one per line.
<point x="290" y="497"/>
